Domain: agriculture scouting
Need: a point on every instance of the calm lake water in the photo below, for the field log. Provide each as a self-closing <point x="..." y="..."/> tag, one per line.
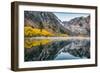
<point x="56" y="49"/>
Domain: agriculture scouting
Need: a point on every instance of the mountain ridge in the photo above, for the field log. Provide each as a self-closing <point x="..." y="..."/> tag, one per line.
<point x="50" y="22"/>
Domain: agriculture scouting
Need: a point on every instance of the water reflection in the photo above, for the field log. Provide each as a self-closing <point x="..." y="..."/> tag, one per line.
<point x="48" y="49"/>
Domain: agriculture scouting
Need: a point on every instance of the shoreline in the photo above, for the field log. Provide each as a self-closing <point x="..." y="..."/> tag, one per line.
<point x="57" y="38"/>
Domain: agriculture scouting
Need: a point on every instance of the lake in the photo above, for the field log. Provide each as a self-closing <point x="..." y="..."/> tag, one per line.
<point x="44" y="49"/>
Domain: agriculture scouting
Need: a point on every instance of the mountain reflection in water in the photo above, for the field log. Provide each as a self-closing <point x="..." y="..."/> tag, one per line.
<point x="48" y="49"/>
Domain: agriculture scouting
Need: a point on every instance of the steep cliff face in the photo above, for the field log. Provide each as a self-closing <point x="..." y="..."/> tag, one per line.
<point x="78" y="26"/>
<point x="44" y="20"/>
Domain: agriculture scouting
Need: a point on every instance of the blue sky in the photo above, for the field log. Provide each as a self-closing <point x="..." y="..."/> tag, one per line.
<point x="68" y="16"/>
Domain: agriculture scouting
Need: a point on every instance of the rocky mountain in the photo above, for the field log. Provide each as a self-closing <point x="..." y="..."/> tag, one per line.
<point x="49" y="21"/>
<point x="78" y="26"/>
<point x="44" y="20"/>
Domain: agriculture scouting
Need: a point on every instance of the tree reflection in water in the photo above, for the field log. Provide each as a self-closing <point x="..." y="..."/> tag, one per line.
<point x="46" y="49"/>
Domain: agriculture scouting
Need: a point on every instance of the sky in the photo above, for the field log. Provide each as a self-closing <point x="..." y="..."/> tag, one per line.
<point x="68" y="16"/>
